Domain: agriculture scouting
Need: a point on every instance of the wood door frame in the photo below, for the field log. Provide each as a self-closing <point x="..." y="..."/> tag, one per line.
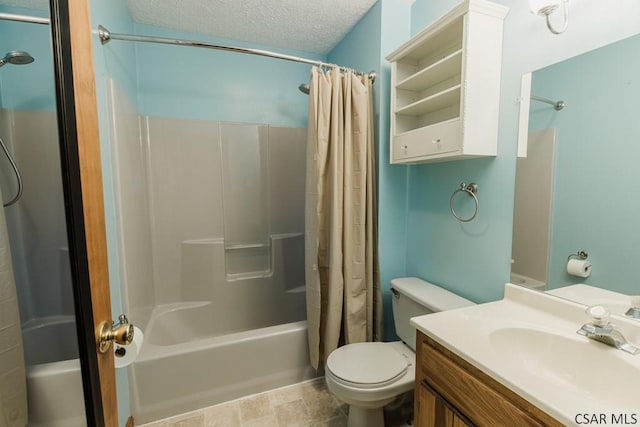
<point x="84" y="206"/>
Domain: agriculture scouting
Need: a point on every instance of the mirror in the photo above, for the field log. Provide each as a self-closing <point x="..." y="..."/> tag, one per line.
<point x="50" y="265"/>
<point x="575" y="190"/>
<point x="32" y="192"/>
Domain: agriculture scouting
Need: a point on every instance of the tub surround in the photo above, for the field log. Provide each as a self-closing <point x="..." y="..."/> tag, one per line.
<point x="537" y="331"/>
<point x="40" y="262"/>
<point x="209" y="211"/>
<point x="211" y="226"/>
<point x="36" y="225"/>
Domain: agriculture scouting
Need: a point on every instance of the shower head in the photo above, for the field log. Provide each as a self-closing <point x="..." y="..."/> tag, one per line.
<point x="304" y="88"/>
<point x="16" y="57"/>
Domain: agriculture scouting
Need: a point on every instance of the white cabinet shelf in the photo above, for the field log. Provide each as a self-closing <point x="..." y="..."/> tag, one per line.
<point x="446" y="87"/>
<point x="432" y="103"/>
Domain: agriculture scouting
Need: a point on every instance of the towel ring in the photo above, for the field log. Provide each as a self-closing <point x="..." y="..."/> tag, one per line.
<point x="471" y="190"/>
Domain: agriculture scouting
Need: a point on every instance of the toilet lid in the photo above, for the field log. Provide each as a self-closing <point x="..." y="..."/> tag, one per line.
<point x="369" y="363"/>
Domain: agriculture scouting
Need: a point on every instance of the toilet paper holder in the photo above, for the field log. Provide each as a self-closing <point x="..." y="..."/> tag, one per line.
<point x="120" y="333"/>
<point x="579" y="255"/>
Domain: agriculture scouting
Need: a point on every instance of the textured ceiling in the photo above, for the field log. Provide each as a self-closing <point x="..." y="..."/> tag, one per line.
<point x="308" y="25"/>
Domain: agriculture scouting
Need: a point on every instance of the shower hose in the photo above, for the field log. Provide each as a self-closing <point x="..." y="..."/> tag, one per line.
<point x="17" y="172"/>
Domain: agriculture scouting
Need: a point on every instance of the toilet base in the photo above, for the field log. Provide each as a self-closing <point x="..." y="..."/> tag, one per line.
<point x="365" y="417"/>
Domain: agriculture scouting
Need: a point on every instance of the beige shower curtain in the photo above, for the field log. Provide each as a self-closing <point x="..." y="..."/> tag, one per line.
<point x="341" y="268"/>
<point x="13" y="388"/>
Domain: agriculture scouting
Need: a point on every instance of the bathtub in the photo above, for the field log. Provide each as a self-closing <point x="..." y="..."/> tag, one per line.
<point x="54" y="382"/>
<point x="528" y="282"/>
<point x="179" y="371"/>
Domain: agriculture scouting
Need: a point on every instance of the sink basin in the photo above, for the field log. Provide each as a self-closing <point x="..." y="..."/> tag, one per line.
<point x="576" y="364"/>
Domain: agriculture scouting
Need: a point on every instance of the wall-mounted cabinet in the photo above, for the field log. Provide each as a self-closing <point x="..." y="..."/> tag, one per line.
<point x="445" y="91"/>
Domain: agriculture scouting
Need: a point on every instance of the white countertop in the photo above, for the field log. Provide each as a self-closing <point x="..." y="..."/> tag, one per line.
<point x="615" y="302"/>
<point x="572" y="375"/>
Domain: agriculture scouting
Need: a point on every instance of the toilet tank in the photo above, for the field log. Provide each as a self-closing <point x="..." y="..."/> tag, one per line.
<point x="415" y="297"/>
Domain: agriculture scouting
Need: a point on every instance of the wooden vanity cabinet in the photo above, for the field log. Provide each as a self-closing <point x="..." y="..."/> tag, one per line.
<point x="451" y="392"/>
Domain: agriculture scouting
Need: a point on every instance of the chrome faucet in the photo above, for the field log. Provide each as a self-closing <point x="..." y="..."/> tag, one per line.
<point x="600" y="329"/>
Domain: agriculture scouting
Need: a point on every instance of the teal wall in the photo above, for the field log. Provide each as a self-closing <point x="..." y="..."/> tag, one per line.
<point x="392" y="179"/>
<point x="473" y="259"/>
<point x="384" y="27"/>
<point x="176" y="81"/>
<point x="595" y="205"/>
<point x="31" y="86"/>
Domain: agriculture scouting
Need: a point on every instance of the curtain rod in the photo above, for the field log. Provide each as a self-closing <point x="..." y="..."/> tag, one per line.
<point x="106" y="36"/>
<point x="557" y="105"/>
<point x="24" y="18"/>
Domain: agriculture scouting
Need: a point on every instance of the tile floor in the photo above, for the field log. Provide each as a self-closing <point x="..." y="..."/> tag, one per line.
<point x="307" y="404"/>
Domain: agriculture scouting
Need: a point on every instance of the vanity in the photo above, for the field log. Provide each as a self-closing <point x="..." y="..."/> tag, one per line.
<point x="452" y="392"/>
<point x="520" y="362"/>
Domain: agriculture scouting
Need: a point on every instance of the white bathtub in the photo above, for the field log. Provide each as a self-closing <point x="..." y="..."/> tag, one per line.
<point x="176" y="373"/>
<point x="528" y="282"/>
<point x="54" y="381"/>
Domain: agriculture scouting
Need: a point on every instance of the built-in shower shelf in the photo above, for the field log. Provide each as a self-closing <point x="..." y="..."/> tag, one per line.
<point x="249" y="275"/>
<point x="248" y="260"/>
<point x="246" y="246"/>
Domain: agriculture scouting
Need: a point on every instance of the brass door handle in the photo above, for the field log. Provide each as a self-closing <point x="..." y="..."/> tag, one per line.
<point x="121" y="333"/>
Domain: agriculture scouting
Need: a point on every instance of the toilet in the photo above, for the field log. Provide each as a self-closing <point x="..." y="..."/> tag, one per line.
<point x="368" y="376"/>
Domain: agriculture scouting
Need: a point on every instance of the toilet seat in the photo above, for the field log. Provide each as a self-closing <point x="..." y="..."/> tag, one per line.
<point x="367" y="365"/>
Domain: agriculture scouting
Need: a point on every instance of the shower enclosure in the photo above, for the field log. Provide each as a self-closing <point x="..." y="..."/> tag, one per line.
<point x="211" y="226"/>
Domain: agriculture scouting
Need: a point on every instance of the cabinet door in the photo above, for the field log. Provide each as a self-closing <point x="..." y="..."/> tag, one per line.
<point x="435" y="411"/>
<point x="426" y="410"/>
<point x="453" y="420"/>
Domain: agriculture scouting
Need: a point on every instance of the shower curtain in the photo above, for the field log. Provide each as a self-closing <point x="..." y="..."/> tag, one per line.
<point x="341" y="268"/>
<point x="13" y="388"/>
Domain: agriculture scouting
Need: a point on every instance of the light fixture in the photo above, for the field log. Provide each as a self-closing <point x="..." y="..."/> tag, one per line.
<point x="546" y="8"/>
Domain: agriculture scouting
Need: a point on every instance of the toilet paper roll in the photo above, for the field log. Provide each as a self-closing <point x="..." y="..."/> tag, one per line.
<point x="125" y="355"/>
<point x="579" y="267"/>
